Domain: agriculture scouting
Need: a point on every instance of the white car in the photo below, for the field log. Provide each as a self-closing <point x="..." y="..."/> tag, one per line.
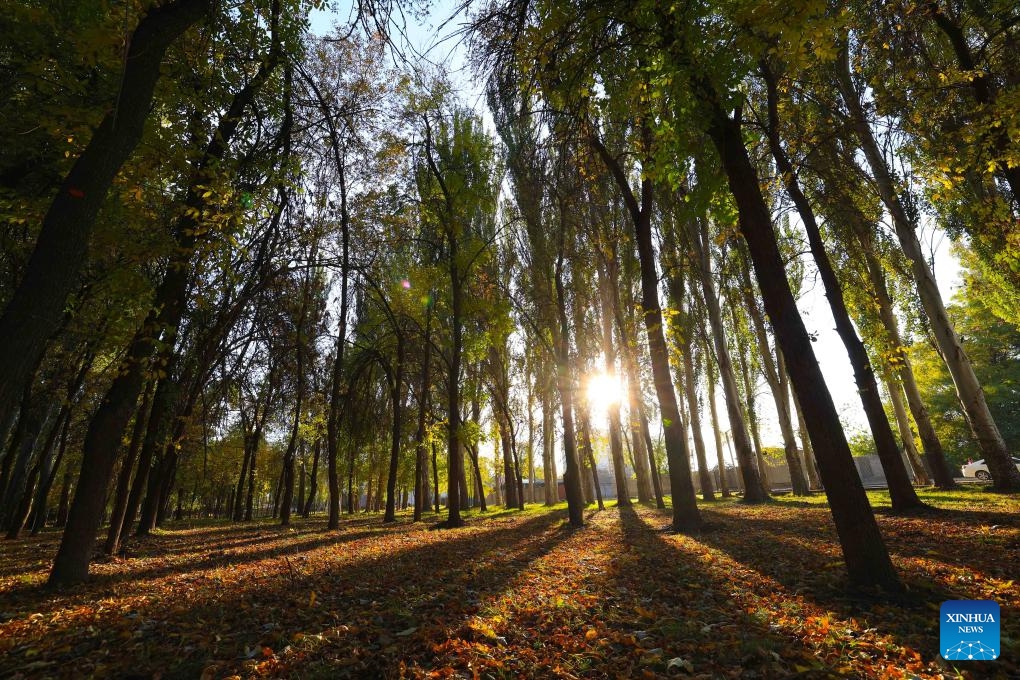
<point x="980" y="470"/>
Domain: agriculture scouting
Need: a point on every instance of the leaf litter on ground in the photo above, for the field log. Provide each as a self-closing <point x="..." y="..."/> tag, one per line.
<point x="517" y="595"/>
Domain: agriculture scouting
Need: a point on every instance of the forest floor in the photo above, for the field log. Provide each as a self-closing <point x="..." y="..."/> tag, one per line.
<point x="517" y="594"/>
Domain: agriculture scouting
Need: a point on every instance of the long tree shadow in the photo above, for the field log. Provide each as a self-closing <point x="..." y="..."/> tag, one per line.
<point x="945" y="537"/>
<point x="683" y="609"/>
<point x="366" y="592"/>
<point x="103" y="583"/>
<point x="802" y="557"/>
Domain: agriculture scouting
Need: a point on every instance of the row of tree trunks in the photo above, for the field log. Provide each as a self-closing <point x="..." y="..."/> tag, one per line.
<point x="864" y="551"/>
<point x="686" y="516"/>
<point x="37" y="307"/>
<point x="780" y="394"/>
<point x="901" y="491"/>
<point x="754" y="488"/>
<point x="615" y="426"/>
<point x="851" y="215"/>
<point x="1005" y="474"/>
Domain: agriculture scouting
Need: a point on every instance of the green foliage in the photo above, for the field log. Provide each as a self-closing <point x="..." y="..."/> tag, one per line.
<point x="993" y="346"/>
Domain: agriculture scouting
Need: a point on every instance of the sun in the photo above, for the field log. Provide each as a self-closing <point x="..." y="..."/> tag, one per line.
<point x="603" y="391"/>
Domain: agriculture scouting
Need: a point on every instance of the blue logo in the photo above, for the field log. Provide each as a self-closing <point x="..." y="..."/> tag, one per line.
<point x="969" y="630"/>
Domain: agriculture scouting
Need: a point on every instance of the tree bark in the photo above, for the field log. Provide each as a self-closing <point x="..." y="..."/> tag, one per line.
<point x="424" y="391"/>
<point x="120" y="503"/>
<point x="109" y="421"/>
<point x="609" y="352"/>
<point x="565" y="385"/>
<point x="933" y="451"/>
<point x="38" y="519"/>
<point x="710" y="378"/>
<point x="313" y="480"/>
<point x="640" y="435"/>
<point x="754" y="488"/>
<point x="683" y="332"/>
<point x="548" y="453"/>
<point x="906" y="433"/>
<point x="779" y="393"/>
<point x="397" y="397"/>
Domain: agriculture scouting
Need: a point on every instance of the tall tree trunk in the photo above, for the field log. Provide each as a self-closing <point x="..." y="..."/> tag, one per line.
<point x="682" y="328"/>
<point x="933" y="451"/>
<point x="641" y="438"/>
<point x="64" y="504"/>
<point x="690" y="388"/>
<point x="649" y="447"/>
<point x="476" y="469"/>
<point x="313" y="480"/>
<point x="510" y="480"/>
<point x="454" y="446"/>
<point x="424" y="390"/>
<point x="972" y="398"/>
<point x="35" y="420"/>
<point x="565" y="385"/>
<point x="906" y="433"/>
<point x="397" y="397"/>
<point x="120" y="503"/>
<point x="780" y="395"/>
<point x="615" y="440"/>
<point x="43" y="457"/>
<point x="300" y="342"/>
<point x="236" y="504"/>
<point x="42" y="497"/>
<point x="435" y="477"/>
<point x="548" y="453"/>
<point x="531" y="441"/>
<point x="156" y="440"/>
<point x="108" y="423"/>
<point x="300" y="505"/>
<point x="810" y="462"/>
<point x="584" y="453"/>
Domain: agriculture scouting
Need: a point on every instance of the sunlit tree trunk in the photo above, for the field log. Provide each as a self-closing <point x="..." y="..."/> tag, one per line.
<point x="609" y="352"/>
<point x="313" y="479"/>
<point x="548" y="453"/>
<point x="644" y="454"/>
<point x="565" y="385"/>
<point x="910" y="452"/>
<point x="710" y="378"/>
<point x="933" y="451"/>
<point x="682" y="328"/>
